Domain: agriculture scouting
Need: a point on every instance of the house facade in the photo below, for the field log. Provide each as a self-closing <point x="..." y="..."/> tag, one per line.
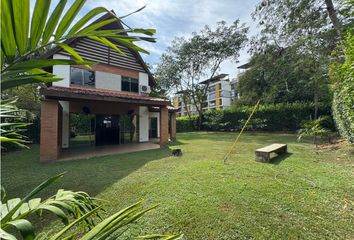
<point x="113" y="94"/>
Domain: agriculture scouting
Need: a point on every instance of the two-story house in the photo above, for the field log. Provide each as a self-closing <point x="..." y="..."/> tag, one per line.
<point x="116" y="87"/>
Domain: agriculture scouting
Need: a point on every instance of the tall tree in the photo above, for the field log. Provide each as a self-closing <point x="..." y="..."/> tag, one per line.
<point x="286" y="22"/>
<point x="281" y="75"/>
<point x="312" y="27"/>
<point x="189" y="61"/>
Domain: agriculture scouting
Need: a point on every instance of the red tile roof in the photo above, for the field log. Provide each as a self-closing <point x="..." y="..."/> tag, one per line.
<point x="101" y="94"/>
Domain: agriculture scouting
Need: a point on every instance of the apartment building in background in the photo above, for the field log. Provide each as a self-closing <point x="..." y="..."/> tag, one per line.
<point x="219" y="96"/>
<point x="184" y="109"/>
<point x="222" y="92"/>
<point x="218" y="92"/>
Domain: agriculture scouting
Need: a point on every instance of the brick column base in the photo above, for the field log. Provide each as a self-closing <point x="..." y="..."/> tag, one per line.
<point x="49" y="144"/>
<point x="164" y="126"/>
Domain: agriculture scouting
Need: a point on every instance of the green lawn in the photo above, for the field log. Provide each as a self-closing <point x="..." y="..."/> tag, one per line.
<point x="306" y="194"/>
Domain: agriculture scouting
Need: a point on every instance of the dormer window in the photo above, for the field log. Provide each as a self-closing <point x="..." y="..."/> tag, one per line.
<point x="82" y="77"/>
<point x="130" y="84"/>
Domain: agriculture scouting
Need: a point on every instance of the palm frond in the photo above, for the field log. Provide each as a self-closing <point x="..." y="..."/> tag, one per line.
<point x="11" y="127"/>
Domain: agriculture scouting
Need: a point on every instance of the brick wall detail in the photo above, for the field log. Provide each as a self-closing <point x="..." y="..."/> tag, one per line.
<point x="49" y="143"/>
<point x="164" y="135"/>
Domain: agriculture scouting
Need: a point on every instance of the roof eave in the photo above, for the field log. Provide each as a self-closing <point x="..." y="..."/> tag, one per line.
<point x="51" y="93"/>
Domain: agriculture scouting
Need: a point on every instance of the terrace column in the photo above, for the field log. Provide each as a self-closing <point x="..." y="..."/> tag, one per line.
<point x="173" y="126"/>
<point x="50" y="130"/>
<point x="163" y="126"/>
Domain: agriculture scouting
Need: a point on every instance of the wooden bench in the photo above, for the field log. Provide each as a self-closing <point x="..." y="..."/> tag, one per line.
<point x="263" y="154"/>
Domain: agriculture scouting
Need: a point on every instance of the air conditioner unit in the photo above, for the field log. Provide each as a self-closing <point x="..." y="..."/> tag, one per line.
<point x="145" y="89"/>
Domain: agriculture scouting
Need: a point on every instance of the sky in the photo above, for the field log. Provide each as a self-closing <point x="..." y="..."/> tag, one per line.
<point x="179" y="18"/>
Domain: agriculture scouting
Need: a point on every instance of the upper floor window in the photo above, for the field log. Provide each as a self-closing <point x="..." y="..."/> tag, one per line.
<point x="130" y="84"/>
<point x="225" y="94"/>
<point x="211" y="96"/>
<point x="82" y="77"/>
<point x="211" y="88"/>
<point x="212" y="103"/>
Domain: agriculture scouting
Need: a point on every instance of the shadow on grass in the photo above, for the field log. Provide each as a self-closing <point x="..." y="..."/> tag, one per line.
<point x="21" y="171"/>
<point x="280" y="158"/>
<point x="176" y="143"/>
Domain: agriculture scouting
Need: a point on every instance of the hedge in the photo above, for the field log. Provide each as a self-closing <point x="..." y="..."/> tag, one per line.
<point x="33" y="130"/>
<point x="343" y="99"/>
<point x="186" y="124"/>
<point x="276" y="117"/>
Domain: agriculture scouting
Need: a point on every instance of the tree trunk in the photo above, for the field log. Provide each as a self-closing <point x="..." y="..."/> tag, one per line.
<point x="333" y="16"/>
<point x="199" y="107"/>
<point x="316" y="98"/>
<point x="186" y="107"/>
<point x="200" y="117"/>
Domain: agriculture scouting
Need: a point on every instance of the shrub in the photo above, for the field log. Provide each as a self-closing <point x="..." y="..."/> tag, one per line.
<point x="186" y="124"/>
<point x="274" y="117"/>
<point x="33" y="130"/>
<point x="343" y="101"/>
<point x="318" y="129"/>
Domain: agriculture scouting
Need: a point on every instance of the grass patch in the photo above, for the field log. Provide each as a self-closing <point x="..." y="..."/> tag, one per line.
<point x="306" y="194"/>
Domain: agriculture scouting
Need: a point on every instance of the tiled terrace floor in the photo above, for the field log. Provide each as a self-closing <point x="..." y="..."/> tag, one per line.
<point x="97" y="151"/>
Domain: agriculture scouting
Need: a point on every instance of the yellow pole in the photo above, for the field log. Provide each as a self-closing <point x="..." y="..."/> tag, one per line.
<point x="243" y="128"/>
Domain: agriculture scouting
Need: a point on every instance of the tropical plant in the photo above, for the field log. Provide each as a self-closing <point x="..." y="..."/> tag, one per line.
<point x="74" y="209"/>
<point x="316" y="129"/>
<point x="10" y="126"/>
<point x="28" y="97"/>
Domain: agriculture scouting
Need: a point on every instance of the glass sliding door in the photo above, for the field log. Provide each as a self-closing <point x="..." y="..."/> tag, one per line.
<point x="153" y="127"/>
<point x="82" y="130"/>
<point x="128" y="129"/>
<point x="107" y="129"/>
<point x="102" y="129"/>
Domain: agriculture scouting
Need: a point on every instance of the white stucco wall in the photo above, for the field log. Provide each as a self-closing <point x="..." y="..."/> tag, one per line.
<point x="65" y="124"/>
<point x="62" y="71"/>
<point x="157" y="115"/>
<point x="225" y="85"/>
<point x="143" y="80"/>
<point x="226" y="102"/>
<point x="109" y="81"/>
<point x="143" y="124"/>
